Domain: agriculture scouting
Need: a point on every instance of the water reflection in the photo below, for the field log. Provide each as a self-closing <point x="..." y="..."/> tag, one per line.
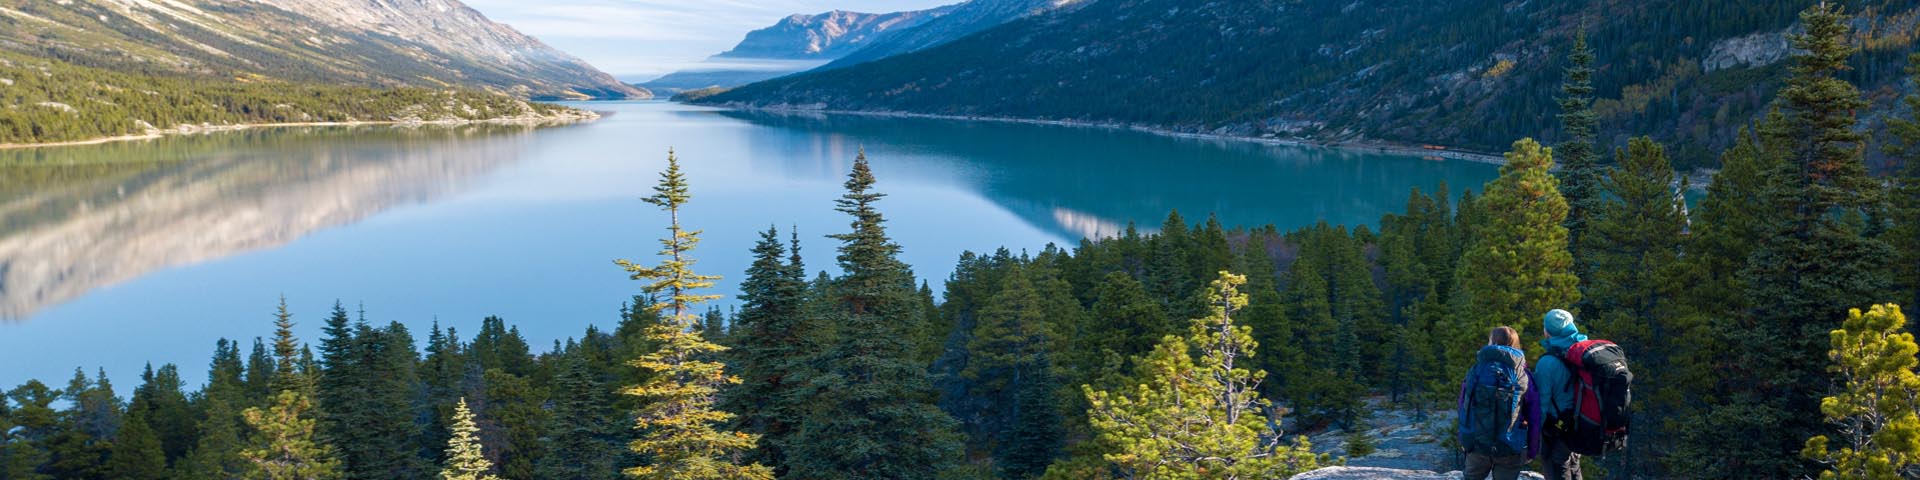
<point x="79" y="218"/>
<point x="1086" y="182"/>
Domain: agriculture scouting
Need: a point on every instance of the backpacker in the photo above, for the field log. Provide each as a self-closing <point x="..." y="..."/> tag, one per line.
<point x="1603" y="387"/>
<point x="1496" y="386"/>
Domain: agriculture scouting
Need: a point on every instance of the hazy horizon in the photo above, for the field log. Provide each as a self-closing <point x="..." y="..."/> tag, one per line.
<point x="638" y="40"/>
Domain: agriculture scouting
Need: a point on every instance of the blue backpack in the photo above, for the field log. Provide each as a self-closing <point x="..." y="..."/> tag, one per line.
<point x="1492" y="423"/>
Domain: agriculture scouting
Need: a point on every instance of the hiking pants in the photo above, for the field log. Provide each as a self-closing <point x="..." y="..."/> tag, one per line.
<point x="1479" y="466"/>
<point x="1559" y="461"/>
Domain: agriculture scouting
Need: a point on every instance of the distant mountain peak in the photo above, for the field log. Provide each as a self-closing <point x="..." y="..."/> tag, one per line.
<point x="827" y="35"/>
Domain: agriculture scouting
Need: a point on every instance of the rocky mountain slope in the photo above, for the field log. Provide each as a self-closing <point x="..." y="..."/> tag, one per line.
<point x="424" y="43"/>
<point x="827" y="35"/>
<point x="1468" y="74"/>
<point x="964" y="19"/>
<point x="836" y="39"/>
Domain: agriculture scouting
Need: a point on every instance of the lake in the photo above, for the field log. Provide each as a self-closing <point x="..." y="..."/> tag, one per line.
<point x="115" y="255"/>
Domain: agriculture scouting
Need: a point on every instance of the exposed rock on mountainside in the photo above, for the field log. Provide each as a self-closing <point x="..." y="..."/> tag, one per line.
<point x="426" y="43"/>
<point x="827" y="35"/>
<point x="847" y="38"/>
<point x="965" y="19"/>
<point x="1372" y="473"/>
<point x="1465" y="74"/>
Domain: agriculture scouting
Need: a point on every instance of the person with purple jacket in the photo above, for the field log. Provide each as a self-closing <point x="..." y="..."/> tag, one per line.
<point x="1499" y="410"/>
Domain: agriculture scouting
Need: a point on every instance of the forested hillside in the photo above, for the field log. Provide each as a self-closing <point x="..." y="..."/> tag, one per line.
<point x="1763" y="326"/>
<point x="1469" y="74"/>
<point x="44" y="100"/>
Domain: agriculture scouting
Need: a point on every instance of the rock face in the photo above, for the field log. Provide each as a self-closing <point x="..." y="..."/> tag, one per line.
<point x="965" y="19"/>
<point x="1372" y="473"/>
<point x="1756" y="50"/>
<point x="427" y="43"/>
<point x="826" y="36"/>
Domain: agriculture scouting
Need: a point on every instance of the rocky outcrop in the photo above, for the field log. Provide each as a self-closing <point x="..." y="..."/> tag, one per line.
<point x="1372" y="473"/>
<point x="827" y="35"/>
<point x="1755" y="50"/>
<point x="426" y="43"/>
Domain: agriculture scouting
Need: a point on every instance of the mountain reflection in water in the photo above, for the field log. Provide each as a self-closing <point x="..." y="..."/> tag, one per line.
<point x="74" y="219"/>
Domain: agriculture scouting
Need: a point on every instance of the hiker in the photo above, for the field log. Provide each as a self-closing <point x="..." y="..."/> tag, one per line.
<point x="1499" y="410"/>
<point x="1588" y="389"/>
<point x="1556" y="398"/>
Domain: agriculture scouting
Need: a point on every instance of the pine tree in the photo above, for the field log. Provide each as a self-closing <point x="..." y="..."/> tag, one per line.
<point x="1517" y="267"/>
<point x="1580" y="174"/>
<point x="136" y="450"/>
<point x="580" y="445"/>
<point x="679" y="437"/>
<point x="1813" y="254"/>
<point x="870" y="409"/>
<point x="1198" y="418"/>
<point x="464" y="458"/>
<point x="83" y="440"/>
<point x="1009" y="360"/>
<point x="768" y="335"/>
<point x="1036" y="432"/>
<point x="286" y="353"/>
<point x="167" y="410"/>
<point x="1875" y="409"/>
<point x="1903" y="144"/>
<point x="30" y="423"/>
<point x="284" y="444"/>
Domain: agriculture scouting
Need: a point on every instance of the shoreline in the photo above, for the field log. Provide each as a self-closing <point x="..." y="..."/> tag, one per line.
<point x="580" y="116"/>
<point x="1698" y="179"/>
<point x="1374" y="147"/>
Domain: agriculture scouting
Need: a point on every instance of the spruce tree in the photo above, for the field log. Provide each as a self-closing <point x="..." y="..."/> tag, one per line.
<point x="465" y="461"/>
<point x="1581" y="175"/>
<point x="284" y="444"/>
<point x="1009" y="361"/>
<point x="30" y="423"/>
<point x="1876" y="408"/>
<point x="136" y="449"/>
<point x="286" y="353"/>
<point x="869" y="408"/>
<point x="1813" y="255"/>
<point x="1517" y="267"/>
<point x="1198" y="417"/>
<point x="579" y="443"/>
<point x="1903" y="199"/>
<point x="768" y="342"/>
<point x="680" y="434"/>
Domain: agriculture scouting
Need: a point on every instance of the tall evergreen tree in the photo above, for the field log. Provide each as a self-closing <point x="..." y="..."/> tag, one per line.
<point x="768" y="341"/>
<point x="870" y="409"/>
<point x="136" y="450"/>
<point x="1813" y="257"/>
<point x="31" y="423"/>
<point x="1903" y="145"/>
<point x="465" y="461"/>
<point x="580" y="445"/>
<point x="1517" y="267"/>
<point x="287" y="373"/>
<point x="1581" y="175"/>
<point x="680" y="436"/>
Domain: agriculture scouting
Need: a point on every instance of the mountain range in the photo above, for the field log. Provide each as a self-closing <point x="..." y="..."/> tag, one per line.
<point x="1463" y="74"/>
<point x="803" y="42"/>
<point x="382" y="43"/>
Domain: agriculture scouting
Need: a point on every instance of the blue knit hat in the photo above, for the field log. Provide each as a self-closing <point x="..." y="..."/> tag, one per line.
<point x="1561" y="330"/>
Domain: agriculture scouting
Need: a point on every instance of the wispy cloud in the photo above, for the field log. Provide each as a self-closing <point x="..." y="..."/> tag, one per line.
<point x="637" y="38"/>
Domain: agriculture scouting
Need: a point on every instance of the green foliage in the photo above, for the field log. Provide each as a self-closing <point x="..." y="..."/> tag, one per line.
<point x="869" y="407"/>
<point x="283" y="445"/>
<point x="1580" y="172"/>
<point x="768" y="335"/>
<point x="1875" y="409"/>
<point x="48" y="100"/>
<point x="136" y="451"/>
<point x="1517" y="266"/>
<point x="1198" y="418"/>
<point x="1902" y="143"/>
<point x="465" y="461"/>
<point x="679" y="434"/>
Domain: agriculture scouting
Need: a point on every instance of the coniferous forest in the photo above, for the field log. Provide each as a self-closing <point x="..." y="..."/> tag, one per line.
<point x="1763" y="321"/>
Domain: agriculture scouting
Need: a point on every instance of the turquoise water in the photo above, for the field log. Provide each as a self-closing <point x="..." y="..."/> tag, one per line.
<point x="115" y="255"/>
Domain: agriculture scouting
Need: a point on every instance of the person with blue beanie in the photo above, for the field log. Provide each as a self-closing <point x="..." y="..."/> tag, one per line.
<point x="1555" y="379"/>
<point x="1499" y="410"/>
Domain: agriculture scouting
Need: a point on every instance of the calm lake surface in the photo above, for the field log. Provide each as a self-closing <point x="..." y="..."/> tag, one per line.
<point x="115" y="255"/>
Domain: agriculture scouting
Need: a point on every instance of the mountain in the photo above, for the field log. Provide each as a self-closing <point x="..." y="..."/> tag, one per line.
<point x="1466" y="74"/>
<point x="797" y="43"/>
<point x="382" y="43"/>
<point x="965" y="19"/>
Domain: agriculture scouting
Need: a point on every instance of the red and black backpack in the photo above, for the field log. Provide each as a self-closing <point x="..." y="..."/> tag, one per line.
<point x="1602" y="389"/>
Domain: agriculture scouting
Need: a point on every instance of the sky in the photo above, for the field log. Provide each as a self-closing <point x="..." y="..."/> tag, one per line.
<point x="639" y="40"/>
